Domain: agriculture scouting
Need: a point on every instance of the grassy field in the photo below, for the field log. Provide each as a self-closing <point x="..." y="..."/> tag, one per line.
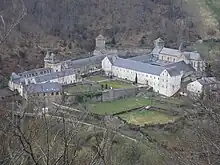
<point x="97" y="78"/>
<point x="82" y="88"/>
<point x="146" y="117"/>
<point x="118" y="105"/>
<point x="116" y="84"/>
<point x="214" y="5"/>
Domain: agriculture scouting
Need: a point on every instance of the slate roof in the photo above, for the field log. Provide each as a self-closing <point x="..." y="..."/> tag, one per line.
<point x="100" y="37"/>
<point x="44" y="88"/>
<point x="36" y="71"/>
<point x="14" y="76"/>
<point x="192" y="55"/>
<point x="54" y="75"/>
<point x="159" y="63"/>
<point x="154" y="68"/>
<point x="83" y="62"/>
<point x="175" y="69"/>
<point x="208" y="81"/>
<point x="171" y="52"/>
<point x="138" y="66"/>
<point x="143" y="58"/>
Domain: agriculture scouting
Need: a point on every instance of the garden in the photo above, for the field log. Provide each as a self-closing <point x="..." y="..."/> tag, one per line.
<point x="109" y="108"/>
<point x="142" y="117"/>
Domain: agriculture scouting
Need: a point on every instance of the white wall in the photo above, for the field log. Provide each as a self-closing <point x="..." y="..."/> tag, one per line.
<point x="106" y="66"/>
<point x="168" y="58"/>
<point x="142" y="78"/>
<point x="169" y="85"/>
<point x="194" y="87"/>
<point x="13" y="86"/>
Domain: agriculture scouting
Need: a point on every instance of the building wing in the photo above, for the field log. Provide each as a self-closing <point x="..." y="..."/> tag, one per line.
<point x="138" y="66"/>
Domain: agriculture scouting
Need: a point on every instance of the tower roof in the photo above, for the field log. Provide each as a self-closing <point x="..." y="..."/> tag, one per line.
<point x="159" y="40"/>
<point x="100" y="37"/>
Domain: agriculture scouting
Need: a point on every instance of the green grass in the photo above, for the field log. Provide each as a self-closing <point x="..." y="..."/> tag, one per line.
<point x="118" y="105"/>
<point x="214" y="5"/>
<point x="97" y="78"/>
<point x="147" y="117"/>
<point x="82" y="88"/>
<point x="116" y="84"/>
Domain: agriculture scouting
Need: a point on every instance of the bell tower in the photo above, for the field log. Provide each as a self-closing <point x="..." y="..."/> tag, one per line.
<point x="159" y="43"/>
<point x="100" y="42"/>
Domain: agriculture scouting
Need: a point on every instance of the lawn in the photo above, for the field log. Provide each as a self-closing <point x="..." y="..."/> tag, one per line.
<point x="147" y="117"/>
<point x="116" y="84"/>
<point x="118" y="105"/>
<point x="82" y="88"/>
<point x="97" y="78"/>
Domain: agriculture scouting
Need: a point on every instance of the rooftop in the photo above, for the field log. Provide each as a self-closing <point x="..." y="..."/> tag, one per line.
<point x="178" y="67"/>
<point x="171" y="52"/>
<point x="36" y="71"/>
<point x="44" y="88"/>
<point x="85" y="61"/>
<point x="54" y="75"/>
<point x="138" y="66"/>
<point x="208" y="81"/>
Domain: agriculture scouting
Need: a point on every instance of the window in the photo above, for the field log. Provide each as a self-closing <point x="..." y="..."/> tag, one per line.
<point x="57" y="93"/>
<point x="168" y="58"/>
<point x="158" y="78"/>
<point x="174" y="59"/>
<point x="146" y="75"/>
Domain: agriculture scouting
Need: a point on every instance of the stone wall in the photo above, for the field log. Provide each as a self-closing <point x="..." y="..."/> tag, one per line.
<point x="108" y="95"/>
<point x="114" y="94"/>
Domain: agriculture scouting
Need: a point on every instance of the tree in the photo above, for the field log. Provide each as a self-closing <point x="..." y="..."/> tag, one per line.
<point x="6" y="28"/>
<point x="136" y="79"/>
<point x="200" y="143"/>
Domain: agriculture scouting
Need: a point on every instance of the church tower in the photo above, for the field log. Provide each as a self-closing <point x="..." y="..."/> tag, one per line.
<point x="100" y="42"/>
<point x="159" y="44"/>
<point x="49" y="59"/>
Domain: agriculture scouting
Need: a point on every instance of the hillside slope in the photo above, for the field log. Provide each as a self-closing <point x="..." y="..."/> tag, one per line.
<point x="73" y="25"/>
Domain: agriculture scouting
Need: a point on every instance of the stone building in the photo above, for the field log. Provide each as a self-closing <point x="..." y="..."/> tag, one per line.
<point x="205" y="84"/>
<point x="174" y="55"/>
<point x="164" y="79"/>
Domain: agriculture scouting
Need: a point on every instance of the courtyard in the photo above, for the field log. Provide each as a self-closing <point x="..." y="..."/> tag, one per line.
<point x="81" y="88"/>
<point x="99" y="83"/>
<point x="109" y="108"/>
<point x="97" y="78"/>
<point x="116" y="84"/>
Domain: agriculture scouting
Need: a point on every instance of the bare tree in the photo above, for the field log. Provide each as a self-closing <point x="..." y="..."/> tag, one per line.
<point x="7" y="25"/>
<point x="200" y="143"/>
